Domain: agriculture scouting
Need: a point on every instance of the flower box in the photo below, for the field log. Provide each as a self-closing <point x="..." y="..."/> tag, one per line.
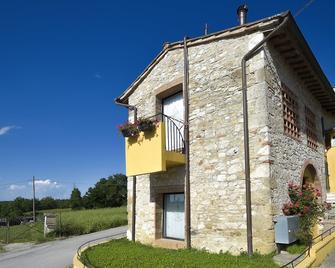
<point x="145" y="125"/>
<point x="128" y="130"/>
<point x="128" y="133"/>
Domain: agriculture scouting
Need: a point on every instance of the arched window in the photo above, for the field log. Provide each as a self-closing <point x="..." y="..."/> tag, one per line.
<point x="310" y="177"/>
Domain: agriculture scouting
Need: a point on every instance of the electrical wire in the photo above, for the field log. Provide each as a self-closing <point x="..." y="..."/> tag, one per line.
<point x="303" y="8"/>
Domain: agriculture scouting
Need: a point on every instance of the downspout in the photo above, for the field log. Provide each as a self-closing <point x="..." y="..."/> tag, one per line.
<point x="246" y="57"/>
<point x="187" y="149"/>
<point x="133" y="205"/>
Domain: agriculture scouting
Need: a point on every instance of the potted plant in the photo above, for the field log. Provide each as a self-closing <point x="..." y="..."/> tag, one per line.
<point x="145" y="124"/>
<point x="128" y="130"/>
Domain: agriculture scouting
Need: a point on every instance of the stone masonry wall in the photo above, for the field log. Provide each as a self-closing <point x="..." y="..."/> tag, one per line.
<point x="169" y="69"/>
<point x="218" y="218"/>
<point x="217" y="157"/>
<point x="290" y="156"/>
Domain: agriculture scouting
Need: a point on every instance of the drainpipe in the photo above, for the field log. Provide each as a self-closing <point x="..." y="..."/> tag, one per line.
<point x="133" y="206"/>
<point x="246" y="57"/>
<point x="187" y="149"/>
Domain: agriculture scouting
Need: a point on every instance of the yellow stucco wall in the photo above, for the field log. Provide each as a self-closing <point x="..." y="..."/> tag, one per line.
<point x="331" y="169"/>
<point x="146" y="153"/>
<point x="319" y="252"/>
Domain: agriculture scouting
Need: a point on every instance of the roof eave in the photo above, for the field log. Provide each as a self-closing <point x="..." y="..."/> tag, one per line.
<point x="262" y="24"/>
<point x="310" y="57"/>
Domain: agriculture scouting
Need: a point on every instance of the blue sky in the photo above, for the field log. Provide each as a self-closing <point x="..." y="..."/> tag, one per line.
<point x="62" y="62"/>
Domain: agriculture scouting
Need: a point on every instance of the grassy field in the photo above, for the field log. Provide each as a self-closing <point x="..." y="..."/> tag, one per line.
<point x="123" y="253"/>
<point x="56" y="210"/>
<point x="91" y="220"/>
<point x="24" y="233"/>
<point x="70" y="222"/>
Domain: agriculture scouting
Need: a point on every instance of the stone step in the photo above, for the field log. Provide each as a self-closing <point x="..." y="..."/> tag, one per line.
<point x="331" y="195"/>
<point x="330" y="198"/>
<point x="330" y="214"/>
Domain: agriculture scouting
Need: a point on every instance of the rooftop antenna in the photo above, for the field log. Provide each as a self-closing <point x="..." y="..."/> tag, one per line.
<point x="206" y="29"/>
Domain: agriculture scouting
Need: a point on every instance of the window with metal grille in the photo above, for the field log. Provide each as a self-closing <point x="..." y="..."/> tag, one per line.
<point x="290" y="113"/>
<point x="312" y="138"/>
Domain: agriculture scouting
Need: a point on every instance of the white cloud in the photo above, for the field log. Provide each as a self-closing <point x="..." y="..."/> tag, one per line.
<point x="43" y="188"/>
<point x="15" y="187"/>
<point x="4" y="130"/>
<point x="98" y="76"/>
<point x="46" y="184"/>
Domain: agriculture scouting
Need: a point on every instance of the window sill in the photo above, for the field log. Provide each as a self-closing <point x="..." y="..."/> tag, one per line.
<point x="169" y="243"/>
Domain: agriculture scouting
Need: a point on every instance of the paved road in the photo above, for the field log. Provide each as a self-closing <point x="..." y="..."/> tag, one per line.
<point x="329" y="261"/>
<point x="55" y="254"/>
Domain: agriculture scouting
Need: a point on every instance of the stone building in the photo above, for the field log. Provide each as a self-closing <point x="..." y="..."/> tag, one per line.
<point x="291" y="104"/>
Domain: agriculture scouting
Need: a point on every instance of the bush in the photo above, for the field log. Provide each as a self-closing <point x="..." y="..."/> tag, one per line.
<point x="304" y="201"/>
<point x="68" y="229"/>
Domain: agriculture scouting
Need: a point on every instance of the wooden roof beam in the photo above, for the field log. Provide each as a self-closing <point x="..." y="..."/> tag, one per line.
<point x="289" y="50"/>
<point x="311" y="84"/>
<point x="296" y="62"/>
<point x="283" y="44"/>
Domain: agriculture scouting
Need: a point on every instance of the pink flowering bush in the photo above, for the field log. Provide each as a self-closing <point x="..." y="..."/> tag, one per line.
<point x="305" y="202"/>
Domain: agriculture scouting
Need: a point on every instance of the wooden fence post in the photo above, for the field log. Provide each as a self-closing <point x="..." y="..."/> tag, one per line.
<point x="7" y="231"/>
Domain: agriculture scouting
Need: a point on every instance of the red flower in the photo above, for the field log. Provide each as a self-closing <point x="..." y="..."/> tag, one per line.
<point x="306" y="210"/>
<point x="318" y="193"/>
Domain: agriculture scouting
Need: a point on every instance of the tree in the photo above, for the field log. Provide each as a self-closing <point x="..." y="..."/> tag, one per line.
<point x="110" y="192"/>
<point x="47" y="203"/>
<point x="76" y="200"/>
<point x="21" y="205"/>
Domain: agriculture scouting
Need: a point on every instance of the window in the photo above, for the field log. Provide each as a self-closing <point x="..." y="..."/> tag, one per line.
<point x="312" y="138"/>
<point x="174" y="216"/>
<point x="290" y="113"/>
<point x="173" y="110"/>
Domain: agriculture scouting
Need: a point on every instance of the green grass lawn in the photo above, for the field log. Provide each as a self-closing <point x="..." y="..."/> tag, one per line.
<point x="123" y="253"/>
<point x="296" y="248"/>
<point x="70" y="222"/>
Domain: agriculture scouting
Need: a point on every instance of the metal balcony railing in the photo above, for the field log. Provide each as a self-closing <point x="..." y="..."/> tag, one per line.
<point x="306" y="252"/>
<point x="174" y="133"/>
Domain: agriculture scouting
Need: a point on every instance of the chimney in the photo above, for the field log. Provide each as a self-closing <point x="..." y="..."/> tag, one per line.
<point x="242" y="13"/>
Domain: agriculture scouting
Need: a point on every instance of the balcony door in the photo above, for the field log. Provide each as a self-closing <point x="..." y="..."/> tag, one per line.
<point x="173" y="108"/>
<point x="174" y="222"/>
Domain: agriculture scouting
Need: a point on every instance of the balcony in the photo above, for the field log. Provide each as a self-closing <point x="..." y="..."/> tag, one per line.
<point x="156" y="150"/>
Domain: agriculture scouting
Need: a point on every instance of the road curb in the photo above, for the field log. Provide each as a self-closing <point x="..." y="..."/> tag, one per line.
<point x="77" y="263"/>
